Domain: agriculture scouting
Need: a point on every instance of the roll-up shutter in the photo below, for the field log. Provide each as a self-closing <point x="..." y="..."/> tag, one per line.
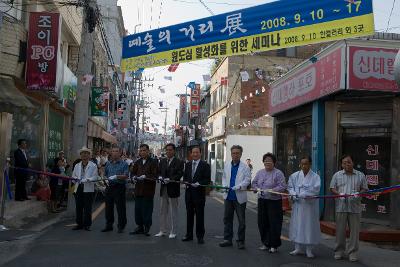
<point x="377" y="118"/>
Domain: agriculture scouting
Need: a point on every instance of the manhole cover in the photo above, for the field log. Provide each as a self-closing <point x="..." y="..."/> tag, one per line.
<point x="300" y="264"/>
<point x="188" y="260"/>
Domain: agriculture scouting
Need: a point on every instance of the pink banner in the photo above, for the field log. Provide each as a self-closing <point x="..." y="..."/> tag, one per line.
<point x="321" y="78"/>
<point x="372" y="68"/>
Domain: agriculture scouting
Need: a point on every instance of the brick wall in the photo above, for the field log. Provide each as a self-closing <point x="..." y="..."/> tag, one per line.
<point x="12" y="32"/>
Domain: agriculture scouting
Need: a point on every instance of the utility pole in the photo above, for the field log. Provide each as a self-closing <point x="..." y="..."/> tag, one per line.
<point x="81" y="115"/>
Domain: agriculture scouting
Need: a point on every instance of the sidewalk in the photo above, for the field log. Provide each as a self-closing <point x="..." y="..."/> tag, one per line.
<point x="20" y="213"/>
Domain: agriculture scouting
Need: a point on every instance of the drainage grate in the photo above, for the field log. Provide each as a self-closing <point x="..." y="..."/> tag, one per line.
<point x="188" y="260"/>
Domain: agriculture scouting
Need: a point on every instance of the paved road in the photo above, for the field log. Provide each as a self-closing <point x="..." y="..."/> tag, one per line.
<point x="60" y="246"/>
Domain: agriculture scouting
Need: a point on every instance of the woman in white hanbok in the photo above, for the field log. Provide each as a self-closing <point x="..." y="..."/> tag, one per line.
<point x="304" y="228"/>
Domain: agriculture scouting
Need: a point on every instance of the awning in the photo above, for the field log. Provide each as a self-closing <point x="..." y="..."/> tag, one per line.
<point x="9" y="94"/>
<point x="95" y="130"/>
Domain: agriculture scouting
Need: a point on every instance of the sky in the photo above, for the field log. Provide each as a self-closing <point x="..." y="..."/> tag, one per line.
<point x="153" y="14"/>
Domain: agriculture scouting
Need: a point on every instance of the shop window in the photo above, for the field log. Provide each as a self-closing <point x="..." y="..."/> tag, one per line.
<point x="219" y="162"/>
<point x="294" y="141"/>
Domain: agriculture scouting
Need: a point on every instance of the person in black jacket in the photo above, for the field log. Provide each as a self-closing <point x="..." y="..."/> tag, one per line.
<point x="197" y="174"/>
<point x="21" y="176"/>
<point x="171" y="172"/>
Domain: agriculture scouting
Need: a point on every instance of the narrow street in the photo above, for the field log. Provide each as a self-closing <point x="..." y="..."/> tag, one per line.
<point x="61" y="246"/>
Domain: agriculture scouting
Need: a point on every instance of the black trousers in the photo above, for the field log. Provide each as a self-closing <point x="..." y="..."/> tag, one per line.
<point x="20" y="186"/>
<point x="115" y="193"/>
<point x="270" y="218"/>
<point x="83" y="207"/>
<point x="144" y="211"/>
<point x="195" y="208"/>
<point x="230" y="208"/>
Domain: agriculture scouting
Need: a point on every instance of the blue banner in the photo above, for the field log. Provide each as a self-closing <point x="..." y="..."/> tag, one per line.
<point x="262" y="20"/>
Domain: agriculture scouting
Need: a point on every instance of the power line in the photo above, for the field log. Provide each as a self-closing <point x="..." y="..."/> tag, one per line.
<point x="206" y="7"/>
<point x="390" y="16"/>
<point x="151" y="13"/>
<point x="161" y="9"/>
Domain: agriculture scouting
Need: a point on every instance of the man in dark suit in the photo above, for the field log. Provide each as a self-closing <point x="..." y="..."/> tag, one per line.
<point x="197" y="174"/>
<point x="146" y="170"/>
<point x="21" y="161"/>
<point x="171" y="172"/>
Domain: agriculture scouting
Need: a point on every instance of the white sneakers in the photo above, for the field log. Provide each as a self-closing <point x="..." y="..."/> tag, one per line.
<point x="172" y="236"/>
<point x="296" y="252"/>
<point x="263" y="247"/>
<point x="273" y="250"/>
<point x="161" y="234"/>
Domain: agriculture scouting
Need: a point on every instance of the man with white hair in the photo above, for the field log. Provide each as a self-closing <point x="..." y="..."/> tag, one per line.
<point x="85" y="172"/>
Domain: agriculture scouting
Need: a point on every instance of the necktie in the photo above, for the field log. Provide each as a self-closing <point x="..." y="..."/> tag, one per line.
<point x="194" y="168"/>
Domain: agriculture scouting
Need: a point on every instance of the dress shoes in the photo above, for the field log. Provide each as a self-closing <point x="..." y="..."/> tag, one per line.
<point x="200" y="241"/>
<point x="137" y="231"/>
<point x="187" y="238"/>
<point x="226" y="243"/>
<point x="87" y="228"/>
<point x="77" y="227"/>
<point x="107" y="229"/>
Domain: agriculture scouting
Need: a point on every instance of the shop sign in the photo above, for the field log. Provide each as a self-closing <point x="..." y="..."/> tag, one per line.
<point x="42" y="51"/>
<point x="319" y="79"/>
<point x="372" y="68"/>
<point x="123" y="107"/>
<point x="270" y="26"/>
<point x="99" y="102"/>
<point x="195" y="101"/>
<point x="183" y="119"/>
<point x="55" y="137"/>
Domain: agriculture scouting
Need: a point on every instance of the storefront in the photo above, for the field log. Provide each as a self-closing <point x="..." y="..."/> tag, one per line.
<point x="324" y="109"/>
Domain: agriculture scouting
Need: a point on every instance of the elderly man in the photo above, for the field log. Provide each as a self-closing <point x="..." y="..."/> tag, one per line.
<point x="85" y="172"/>
<point x="116" y="171"/>
<point x="304" y="227"/>
<point x="348" y="209"/>
<point x="236" y="176"/>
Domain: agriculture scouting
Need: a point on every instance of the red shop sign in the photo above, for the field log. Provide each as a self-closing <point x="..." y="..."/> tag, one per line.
<point x="372" y="68"/>
<point x="317" y="80"/>
<point x="43" y="44"/>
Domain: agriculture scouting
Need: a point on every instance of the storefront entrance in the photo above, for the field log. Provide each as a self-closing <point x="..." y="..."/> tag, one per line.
<point x="371" y="149"/>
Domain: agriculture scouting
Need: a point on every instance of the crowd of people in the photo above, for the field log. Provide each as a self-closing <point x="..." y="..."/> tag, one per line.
<point x="269" y="183"/>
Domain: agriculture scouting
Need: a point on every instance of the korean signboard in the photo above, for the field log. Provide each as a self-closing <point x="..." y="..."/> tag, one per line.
<point x="55" y="138"/>
<point x="183" y="115"/>
<point x="261" y="28"/>
<point x="122" y="107"/>
<point x="195" y="101"/>
<point x="99" y="102"/>
<point x="42" y="51"/>
<point x="372" y="68"/>
<point x="322" y="78"/>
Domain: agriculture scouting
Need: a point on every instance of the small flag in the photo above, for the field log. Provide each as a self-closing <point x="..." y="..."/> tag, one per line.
<point x="192" y="85"/>
<point x="169" y="78"/>
<point x="86" y="79"/>
<point x="161" y="104"/>
<point x="207" y="77"/>
<point x="162" y="90"/>
<point x="173" y="67"/>
<point x="224" y="80"/>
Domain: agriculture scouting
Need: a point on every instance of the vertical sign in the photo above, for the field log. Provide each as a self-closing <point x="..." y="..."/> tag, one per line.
<point x="55" y="139"/>
<point x="183" y="110"/>
<point x="123" y="107"/>
<point x="195" y="101"/>
<point x="43" y="44"/>
<point x="99" y="102"/>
